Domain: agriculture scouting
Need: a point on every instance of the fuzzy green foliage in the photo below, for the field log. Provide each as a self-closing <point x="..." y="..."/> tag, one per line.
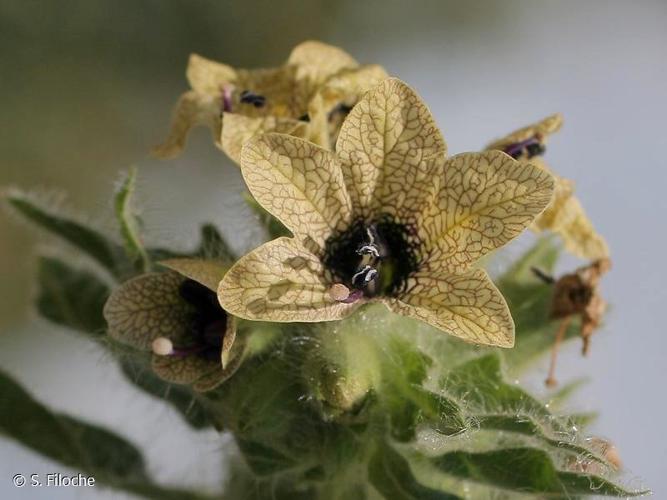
<point x="86" y="448"/>
<point x="375" y="406"/>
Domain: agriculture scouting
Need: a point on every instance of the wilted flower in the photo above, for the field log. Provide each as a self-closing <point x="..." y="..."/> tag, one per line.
<point x="305" y="97"/>
<point x="385" y="218"/>
<point x="564" y="215"/>
<point x="577" y="294"/>
<point x="176" y="315"/>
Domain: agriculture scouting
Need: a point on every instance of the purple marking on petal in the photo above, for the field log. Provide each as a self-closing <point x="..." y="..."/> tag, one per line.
<point x="515" y="149"/>
<point x="353" y="297"/>
<point x="182" y="352"/>
<point x="227" y="98"/>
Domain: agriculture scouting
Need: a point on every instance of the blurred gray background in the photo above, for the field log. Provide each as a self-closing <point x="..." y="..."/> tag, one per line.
<point x="86" y="89"/>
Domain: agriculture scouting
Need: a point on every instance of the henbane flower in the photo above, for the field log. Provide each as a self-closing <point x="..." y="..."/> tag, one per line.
<point x="304" y="97"/>
<point x="385" y="218"/>
<point x="564" y="215"/>
<point x="176" y="316"/>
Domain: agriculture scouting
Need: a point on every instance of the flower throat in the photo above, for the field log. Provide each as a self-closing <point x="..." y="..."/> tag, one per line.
<point x="371" y="259"/>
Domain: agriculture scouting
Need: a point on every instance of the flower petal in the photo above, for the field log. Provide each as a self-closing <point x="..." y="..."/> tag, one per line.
<point x="145" y="308"/>
<point x="206" y="272"/>
<point x="349" y="85"/>
<point x="316" y="61"/>
<point x="569" y="220"/>
<point x="285" y="96"/>
<point x="208" y="77"/>
<point x="203" y="374"/>
<point x="183" y="370"/>
<point x="566" y="217"/>
<point x="468" y="306"/>
<point x="299" y="183"/>
<point x="329" y="106"/>
<point x="280" y="281"/>
<point x="482" y="201"/>
<point x="238" y="129"/>
<point x="191" y="109"/>
<point x="389" y="147"/>
<point x="549" y="125"/>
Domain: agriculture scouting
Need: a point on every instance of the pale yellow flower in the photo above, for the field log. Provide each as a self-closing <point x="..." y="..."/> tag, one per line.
<point x="295" y="98"/>
<point x="388" y="218"/>
<point x="176" y="316"/>
<point x="564" y="215"/>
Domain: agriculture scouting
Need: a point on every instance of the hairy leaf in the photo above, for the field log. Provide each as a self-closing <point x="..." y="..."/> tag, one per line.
<point x="71" y="297"/>
<point x="84" y="447"/>
<point x="525" y="470"/>
<point x="89" y="241"/>
<point x="390" y="475"/>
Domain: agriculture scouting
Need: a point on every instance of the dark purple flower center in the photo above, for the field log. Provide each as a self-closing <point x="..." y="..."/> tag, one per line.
<point x="533" y="146"/>
<point x="207" y="322"/>
<point x="371" y="259"/>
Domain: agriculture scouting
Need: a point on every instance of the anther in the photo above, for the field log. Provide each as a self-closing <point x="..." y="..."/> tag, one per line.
<point x="367" y="274"/>
<point x="256" y="100"/>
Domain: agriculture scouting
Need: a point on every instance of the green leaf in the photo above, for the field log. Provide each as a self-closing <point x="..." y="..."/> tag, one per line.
<point x="213" y="245"/>
<point x="390" y="475"/>
<point x="479" y="383"/>
<point x="273" y="226"/>
<point x="104" y="251"/>
<point x="84" y="447"/>
<point x="129" y="222"/>
<point x="264" y="460"/>
<point x="71" y="297"/>
<point x="525" y="470"/>
<point x="523" y="424"/>
<point x="409" y="406"/>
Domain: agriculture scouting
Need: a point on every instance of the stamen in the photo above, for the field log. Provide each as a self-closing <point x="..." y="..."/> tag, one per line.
<point x="342" y="109"/>
<point x="370" y="248"/>
<point x="256" y="100"/>
<point x="367" y="274"/>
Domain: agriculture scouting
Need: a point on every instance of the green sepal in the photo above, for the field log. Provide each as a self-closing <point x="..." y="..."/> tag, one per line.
<point x="129" y="222"/>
